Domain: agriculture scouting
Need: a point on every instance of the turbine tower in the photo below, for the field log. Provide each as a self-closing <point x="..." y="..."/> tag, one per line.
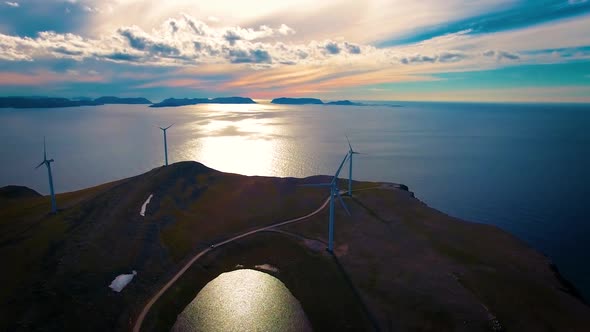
<point x="334" y="192"/>
<point x="166" y="144"/>
<point x="47" y="162"/>
<point x="350" y="153"/>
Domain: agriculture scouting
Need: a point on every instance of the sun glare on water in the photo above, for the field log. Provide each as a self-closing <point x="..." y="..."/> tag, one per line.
<point x="244" y="139"/>
<point x="243" y="300"/>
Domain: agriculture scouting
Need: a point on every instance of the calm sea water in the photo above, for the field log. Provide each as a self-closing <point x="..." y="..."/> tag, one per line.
<point x="524" y="168"/>
<point x="243" y="300"/>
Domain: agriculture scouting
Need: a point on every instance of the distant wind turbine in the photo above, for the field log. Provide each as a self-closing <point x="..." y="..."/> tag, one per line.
<point x="166" y="144"/>
<point x="47" y="162"/>
<point x="350" y="153"/>
<point x="334" y="192"/>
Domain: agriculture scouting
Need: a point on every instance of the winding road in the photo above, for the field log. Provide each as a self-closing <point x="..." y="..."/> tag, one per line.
<point x="148" y="306"/>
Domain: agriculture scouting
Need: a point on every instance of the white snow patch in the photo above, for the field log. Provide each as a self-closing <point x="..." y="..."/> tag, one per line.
<point x="267" y="267"/>
<point x="147" y="201"/>
<point x="121" y="281"/>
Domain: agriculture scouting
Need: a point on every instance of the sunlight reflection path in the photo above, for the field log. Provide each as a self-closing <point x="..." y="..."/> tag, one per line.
<point x="245" y="139"/>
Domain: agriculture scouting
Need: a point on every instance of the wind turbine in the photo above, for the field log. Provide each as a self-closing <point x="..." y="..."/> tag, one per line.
<point x="165" y="144"/>
<point x="350" y="153"/>
<point x="334" y="192"/>
<point x="47" y="163"/>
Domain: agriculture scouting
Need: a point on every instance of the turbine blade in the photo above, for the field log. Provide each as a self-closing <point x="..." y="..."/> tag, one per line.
<point x="41" y="164"/>
<point x="350" y="146"/>
<point x="169" y="126"/>
<point x="343" y="205"/>
<point x="339" y="168"/>
<point x="44" y="149"/>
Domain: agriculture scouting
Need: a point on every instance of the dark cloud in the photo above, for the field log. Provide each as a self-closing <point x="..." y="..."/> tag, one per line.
<point x="501" y="55"/>
<point x="164" y="49"/>
<point x="212" y="51"/>
<point x="144" y="44"/>
<point x="489" y="53"/>
<point x="231" y="37"/>
<point x="508" y="55"/>
<point x="173" y="26"/>
<point x="418" y="59"/>
<point x="451" y="56"/>
<point x="65" y="51"/>
<point x="332" y="48"/>
<point x="197" y="28"/>
<point x="302" y="54"/>
<point x="138" y="43"/>
<point x="249" y="56"/>
<point x="443" y="57"/>
<point x="353" y="49"/>
<point x="119" y="56"/>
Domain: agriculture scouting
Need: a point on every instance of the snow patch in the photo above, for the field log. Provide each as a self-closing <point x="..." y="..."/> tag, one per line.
<point x="147" y="201"/>
<point x="121" y="281"/>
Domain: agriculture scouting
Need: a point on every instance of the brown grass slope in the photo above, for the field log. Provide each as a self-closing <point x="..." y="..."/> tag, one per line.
<point x="61" y="265"/>
<point x="413" y="267"/>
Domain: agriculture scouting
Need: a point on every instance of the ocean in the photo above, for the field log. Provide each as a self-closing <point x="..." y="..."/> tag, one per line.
<point x="522" y="167"/>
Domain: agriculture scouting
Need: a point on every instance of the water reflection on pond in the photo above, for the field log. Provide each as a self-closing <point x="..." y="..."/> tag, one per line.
<point x="243" y="300"/>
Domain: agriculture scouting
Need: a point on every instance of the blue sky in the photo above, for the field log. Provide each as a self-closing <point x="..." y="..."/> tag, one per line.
<point x="501" y="50"/>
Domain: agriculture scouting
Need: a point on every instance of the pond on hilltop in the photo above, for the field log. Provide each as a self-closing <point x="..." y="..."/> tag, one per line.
<point x="243" y="300"/>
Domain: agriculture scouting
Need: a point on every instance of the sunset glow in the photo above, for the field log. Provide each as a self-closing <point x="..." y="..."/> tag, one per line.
<point x="382" y="50"/>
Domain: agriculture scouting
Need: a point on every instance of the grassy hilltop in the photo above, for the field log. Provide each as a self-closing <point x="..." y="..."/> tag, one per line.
<point x="398" y="265"/>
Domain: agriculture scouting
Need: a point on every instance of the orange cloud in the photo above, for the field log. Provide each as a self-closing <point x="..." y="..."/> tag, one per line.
<point x="295" y="81"/>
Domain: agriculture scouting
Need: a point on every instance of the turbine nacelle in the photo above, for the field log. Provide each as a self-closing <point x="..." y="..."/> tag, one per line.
<point x="164" y="129"/>
<point x="350" y="153"/>
<point x="45" y="162"/>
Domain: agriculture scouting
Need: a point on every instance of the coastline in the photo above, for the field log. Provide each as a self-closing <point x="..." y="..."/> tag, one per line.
<point x="567" y="286"/>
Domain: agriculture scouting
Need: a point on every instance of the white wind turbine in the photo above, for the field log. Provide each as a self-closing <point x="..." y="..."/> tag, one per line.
<point x="334" y="192"/>
<point x="165" y="144"/>
<point x="47" y="163"/>
<point x="350" y="153"/>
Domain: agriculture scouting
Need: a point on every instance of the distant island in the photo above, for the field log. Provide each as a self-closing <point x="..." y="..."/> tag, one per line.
<point x="315" y="101"/>
<point x="42" y="102"/>
<point x="296" y="101"/>
<point x="53" y="102"/>
<point x="56" y="102"/>
<point x="117" y="100"/>
<point x="173" y="102"/>
<point x="343" y="103"/>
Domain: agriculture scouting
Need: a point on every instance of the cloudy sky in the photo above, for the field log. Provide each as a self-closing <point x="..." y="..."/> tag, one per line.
<point x="470" y="50"/>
